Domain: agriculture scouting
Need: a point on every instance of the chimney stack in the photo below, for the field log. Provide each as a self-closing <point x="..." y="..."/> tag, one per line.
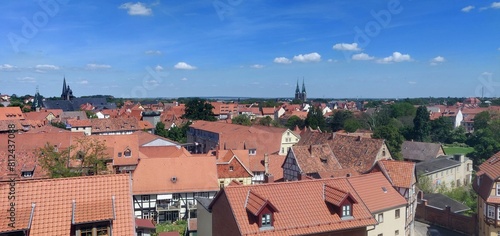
<point x="266" y="164"/>
<point x="268" y="178"/>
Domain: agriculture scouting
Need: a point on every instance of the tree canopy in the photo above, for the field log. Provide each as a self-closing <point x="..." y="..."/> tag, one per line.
<point x="199" y="109"/>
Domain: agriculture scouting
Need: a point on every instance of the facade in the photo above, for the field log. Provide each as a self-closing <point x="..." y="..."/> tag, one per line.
<point x="402" y="176"/>
<point x="92" y="205"/>
<point x="384" y="202"/>
<point x="164" y="189"/>
<point x="111" y="126"/>
<point x="487" y="186"/>
<point x="331" y="207"/>
<point x="233" y="165"/>
<point x="446" y="171"/>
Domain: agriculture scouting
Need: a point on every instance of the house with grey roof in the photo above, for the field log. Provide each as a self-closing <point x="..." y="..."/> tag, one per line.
<point x="421" y="151"/>
<point x="446" y="171"/>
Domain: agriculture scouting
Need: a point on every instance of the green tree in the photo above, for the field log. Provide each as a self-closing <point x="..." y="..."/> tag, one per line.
<point x="425" y="184"/>
<point x="485" y="145"/>
<point x="178" y="134"/>
<point x="402" y="109"/>
<point x="351" y="125"/>
<point x="421" y="125"/>
<point x="87" y="156"/>
<point x="481" y="120"/>
<point x="91" y="115"/>
<point x="59" y="124"/>
<point x="315" y="118"/>
<point x="458" y="135"/>
<point x="266" y="121"/>
<point x="441" y="129"/>
<point x="242" y="120"/>
<point x="199" y="109"/>
<point x="160" y="129"/>
<point x="294" y="121"/>
<point x="338" y="119"/>
<point x="393" y="139"/>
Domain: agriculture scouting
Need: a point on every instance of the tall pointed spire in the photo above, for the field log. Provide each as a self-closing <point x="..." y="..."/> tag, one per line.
<point x="63" y="94"/>
<point x="297" y="90"/>
<point x="303" y="85"/>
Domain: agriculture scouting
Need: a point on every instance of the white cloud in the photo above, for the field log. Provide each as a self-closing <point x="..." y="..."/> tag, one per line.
<point x="395" y="57"/>
<point x="468" y="8"/>
<point x="7" y="67"/>
<point x="184" y="79"/>
<point x="153" y="52"/>
<point x="346" y="47"/>
<point x="46" y="67"/>
<point x="158" y="68"/>
<point x="437" y="60"/>
<point x="137" y="9"/>
<point x="152" y="83"/>
<point x="315" y="57"/>
<point x="282" y="60"/>
<point x="486" y="73"/>
<point x="184" y="66"/>
<point x="412" y="82"/>
<point x="257" y="66"/>
<point x="495" y="5"/>
<point x="97" y="66"/>
<point x="83" y="82"/>
<point x="362" y="57"/>
<point x="27" y="80"/>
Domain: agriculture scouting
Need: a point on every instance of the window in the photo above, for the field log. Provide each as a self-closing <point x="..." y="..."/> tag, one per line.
<point x="498" y="189"/>
<point x="346" y="210"/>
<point x="396" y="232"/>
<point x="231" y="168"/>
<point x="26" y="174"/>
<point x="176" y="196"/>
<point x="266" y="220"/>
<point x="221" y="184"/>
<point x="101" y="229"/>
<point x="380" y="218"/>
<point x="252" y="151"/>
<point x="397" y="214"/>
<point x="380" y="235"/>
<point x="127" y="153"/>
<point x="145" y="198"/>
<point x="120" y="154"/>
<point x="498" y="213"/>
<point x="491" y="212"/>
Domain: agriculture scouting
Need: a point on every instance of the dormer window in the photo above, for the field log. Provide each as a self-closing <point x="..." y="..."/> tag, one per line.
<point x="346" y="210"/>
<point x="127" y="153"/>
<point x="231" y="168"/>
<point x="266" y="220"/>
<point x="252" y="151"/>
<point x="27" y="174"/>
<point x="119" y="154"/>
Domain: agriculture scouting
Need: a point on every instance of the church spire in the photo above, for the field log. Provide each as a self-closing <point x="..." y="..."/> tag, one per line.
<point x="64" y="91"/>
<point x="297" y="90"/>
<point x="303" y="86"/>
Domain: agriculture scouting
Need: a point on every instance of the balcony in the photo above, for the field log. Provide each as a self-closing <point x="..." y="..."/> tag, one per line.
<point x="163" y="206"/>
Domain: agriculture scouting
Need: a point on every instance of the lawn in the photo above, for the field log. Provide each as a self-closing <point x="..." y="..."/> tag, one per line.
<point x="450" y="150"/>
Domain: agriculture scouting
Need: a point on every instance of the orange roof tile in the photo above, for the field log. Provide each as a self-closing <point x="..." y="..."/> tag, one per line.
<point x="400" y="173"/>
<point x="192" y="174"/>
<point x="376" y="191"/>
<point x="11" y="113"/>
<point x="315" y="158"/>
<point x="163" y="151"/>
<point x="297" y="214"/>
<point x="52" y="201"/>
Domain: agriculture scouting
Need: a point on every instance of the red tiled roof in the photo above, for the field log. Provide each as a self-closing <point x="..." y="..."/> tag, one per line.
<point x="114" y="125"/>
<point x="163" y="151"/>
<point x="192" y="174"/>
<point x="400" y="173"/>
<point x="238" y="159"/>
<point x="144" y="223"/>
<point x="145" y="125"/>
<point x="146" y="137"/>
<point x="11" y="113"/>
<point x="376" y="191"/>
<point x="315" y="158"/>
<point x="297" y="213"/>
<point x="52" y="201"/>
<point x="79" y="123"/>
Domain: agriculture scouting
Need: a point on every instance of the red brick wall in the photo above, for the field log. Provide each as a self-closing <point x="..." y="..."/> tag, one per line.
<point x="223" y="222"/>
<point x="238" y="170"/>
<point x="447" y="219"/>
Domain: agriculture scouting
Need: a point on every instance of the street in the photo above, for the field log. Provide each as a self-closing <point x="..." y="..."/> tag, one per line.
<point x="421" y="230"/>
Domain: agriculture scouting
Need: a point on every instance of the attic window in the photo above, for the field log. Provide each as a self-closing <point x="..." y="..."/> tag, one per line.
<point x="27" y="174"/>
<point x="267" y="220"/>
<point x="127" y="153"/>
<point x="346" y="210"/>
<point x="231" y="168"/>
<point x="252" y="151"/>
<point x="120" y="154"/>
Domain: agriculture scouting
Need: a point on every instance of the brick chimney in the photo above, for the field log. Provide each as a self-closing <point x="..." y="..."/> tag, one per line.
<point x="268" y="178"/>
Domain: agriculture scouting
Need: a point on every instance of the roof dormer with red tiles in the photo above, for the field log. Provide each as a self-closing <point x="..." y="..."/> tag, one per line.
<point x="341" y="201"/>
<point x="260" y="210"/>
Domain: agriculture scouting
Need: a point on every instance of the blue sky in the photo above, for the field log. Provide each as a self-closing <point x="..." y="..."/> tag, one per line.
<point x="357" y="49"/>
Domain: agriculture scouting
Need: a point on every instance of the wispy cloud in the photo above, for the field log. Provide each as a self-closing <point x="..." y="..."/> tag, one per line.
<point x="153" y="52"/>
<point x="137" y="9"/>
<point x="495" y="5"/>
<point x="468" y="8"/>
<point x="184" y="79"/>
<point x="46" y="67"/>
<point x="362" y="57"/>
<point x="311" y="57"/>
<point x="7" y="67"/>
<point x="184" y="66"/>
<point x="282" y="60"/>
<point x="257" y="66"/>
<point x="97" y="66"/>
<point x="437" y="60"/>
<point x="395" y="57"/>
<point x="83" y="82"/>
<point x="158" y="68"/>
<point x="27" y="79"/>
<point x="346" y="47"/>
